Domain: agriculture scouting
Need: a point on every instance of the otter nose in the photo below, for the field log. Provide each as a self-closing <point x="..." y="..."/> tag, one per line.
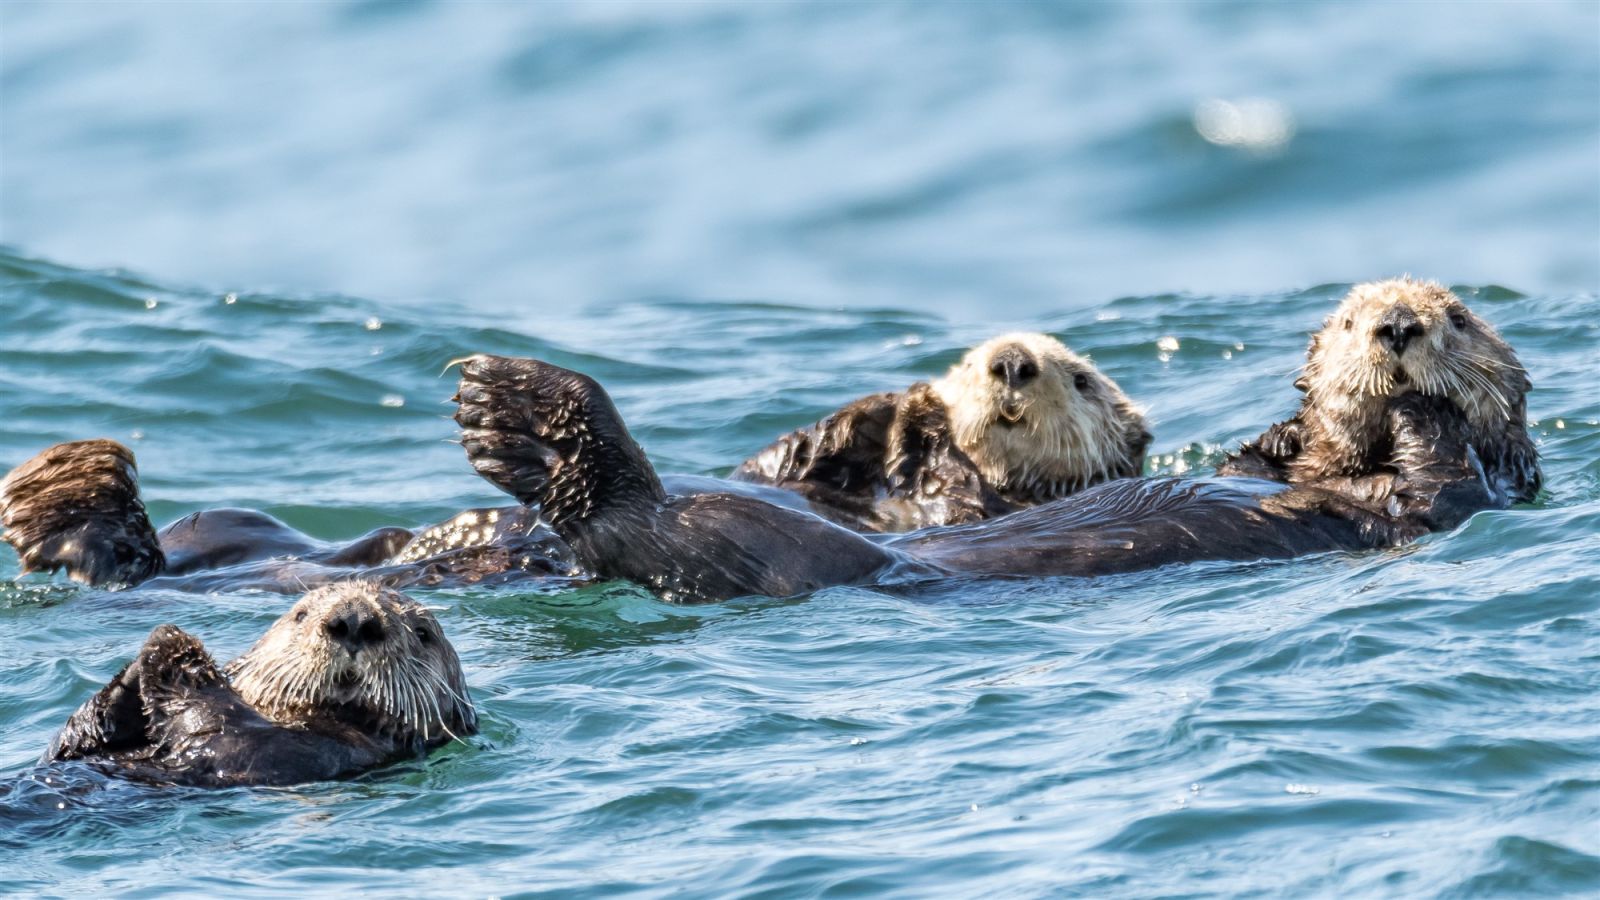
<point x="1014" y="367"/>
<point x="1398" y="327"/>
<point x="353" y="628"/>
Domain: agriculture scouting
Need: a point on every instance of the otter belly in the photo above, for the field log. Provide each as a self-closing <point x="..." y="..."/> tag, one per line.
<point x="1135" y="524"/>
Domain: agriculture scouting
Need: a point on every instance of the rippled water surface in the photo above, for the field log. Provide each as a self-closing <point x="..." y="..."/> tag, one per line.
<point x="1420" y="720"/>
<point x="738" y="216"/>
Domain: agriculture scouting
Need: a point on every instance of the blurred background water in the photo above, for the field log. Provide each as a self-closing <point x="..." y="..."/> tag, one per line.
<point x="244" y="238"/>
<point x="955" y="156"/>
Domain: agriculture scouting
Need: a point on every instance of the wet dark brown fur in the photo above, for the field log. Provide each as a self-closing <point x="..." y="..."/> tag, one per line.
<point x="549" y="436"/>
<point x="1389" y="340"/>
<point x="76" y="507"/>
<point x="353" y="676"/>
<point x="1020" y="420"/>
<point x="1371" y="460"/>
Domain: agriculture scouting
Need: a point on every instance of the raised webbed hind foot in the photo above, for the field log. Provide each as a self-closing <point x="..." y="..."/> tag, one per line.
<point x="76" y="507"/>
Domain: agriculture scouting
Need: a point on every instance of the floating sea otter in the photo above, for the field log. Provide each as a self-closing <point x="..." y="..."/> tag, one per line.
<point x="1438" y="448"/>
<point x="1020" y="420"/>
<point x="353" y="676"/>
<point x="1434" y="447"/>
<point x="1390" y="339"/>
<point x="76" y="507"/>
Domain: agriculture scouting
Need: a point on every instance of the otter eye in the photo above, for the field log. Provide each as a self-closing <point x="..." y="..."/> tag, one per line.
<point x="1459" y="320"/>
<point x="1347" y="324"/>
<point x="423" y="635"/>
<point x="1080" y="381"/>
<point x="300" y="616"/>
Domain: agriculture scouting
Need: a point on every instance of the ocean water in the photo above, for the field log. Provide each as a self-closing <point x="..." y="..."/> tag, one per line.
<point x="245" y="239"/>
<point x="1419" y="721"/>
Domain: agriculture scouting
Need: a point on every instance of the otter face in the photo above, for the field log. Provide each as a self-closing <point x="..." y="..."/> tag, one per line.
<point x="363" y="654"/>
<point x="1390" y="338"/>
<point x="1037" y="418"/>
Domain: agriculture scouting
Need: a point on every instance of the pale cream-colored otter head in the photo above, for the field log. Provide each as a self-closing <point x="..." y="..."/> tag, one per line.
<point x="361" y="653"/>
<point x="1040" y="421"/>
<point x="1389" y="338"/>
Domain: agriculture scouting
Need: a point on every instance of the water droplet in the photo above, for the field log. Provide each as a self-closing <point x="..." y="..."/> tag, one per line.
<point x="150" y="303"/>
<point x="1227" y="354"/>
<point x="136" y="435"/>
<point x="1561" y="424"/>
<point x="1168" y="343"/>
<point x="974" y="808"/>
<point x="1295" y="788"/>
<point x="374" y="323"/>
<point x="856" y="742"/>
<point x="230" y="299"/>
<point x="392" y="400"/>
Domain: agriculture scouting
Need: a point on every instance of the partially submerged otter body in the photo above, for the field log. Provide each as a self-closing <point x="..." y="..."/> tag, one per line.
<point x="353" y="676"/>
<point x="1413" y="441"/>
<point x="1131" y="525"/>
<point x="885" y="462"/>
<point x="1388" y="341"/>
<point x="76" y="507"/>
<point x="551" y="438"/>
<point x="1020" y="420"/>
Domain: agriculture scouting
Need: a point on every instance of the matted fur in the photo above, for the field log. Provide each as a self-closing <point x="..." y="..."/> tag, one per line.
<point x="1076" y="427"/>
<point x="408" y="681"/>
<point x="1351" y="375"/>
<point x="76" y="506"/>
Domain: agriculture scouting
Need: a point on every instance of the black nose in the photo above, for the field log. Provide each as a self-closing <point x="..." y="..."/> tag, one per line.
<point x="1014" y="366"/>
<point x="353" y="629"/>
<point x="1398" y="327"/>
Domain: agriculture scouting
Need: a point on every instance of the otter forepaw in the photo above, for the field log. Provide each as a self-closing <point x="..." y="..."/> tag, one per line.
<point x="1282" y="441"/>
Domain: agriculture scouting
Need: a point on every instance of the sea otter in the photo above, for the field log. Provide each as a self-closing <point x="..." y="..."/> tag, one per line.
<point x="551" y="438"/>
<point x="76" y="507"/>
<point x="1020" y="420"/>
<point x="1390" y="339"/>
<point x="353" y="676"/>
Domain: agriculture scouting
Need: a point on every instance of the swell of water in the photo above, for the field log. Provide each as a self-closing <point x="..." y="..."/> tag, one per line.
<point x="1421" y="721"/>
<point x="971" y="158"/>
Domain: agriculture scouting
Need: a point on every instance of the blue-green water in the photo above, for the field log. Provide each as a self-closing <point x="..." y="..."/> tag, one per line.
<point x="738" y="216"/>
<point x="1417" y="721"/>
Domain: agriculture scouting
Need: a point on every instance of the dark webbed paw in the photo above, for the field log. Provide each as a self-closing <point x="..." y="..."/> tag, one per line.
<point x="551" y="437"/>
<point x="1282" y="441"/>
<point x="76" y="507"/>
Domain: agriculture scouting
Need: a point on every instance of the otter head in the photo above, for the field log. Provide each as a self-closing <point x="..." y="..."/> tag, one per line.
<point x="361" y="655"/>
<point x="1390" y="338"/>
<point x="1039" y="420"/>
